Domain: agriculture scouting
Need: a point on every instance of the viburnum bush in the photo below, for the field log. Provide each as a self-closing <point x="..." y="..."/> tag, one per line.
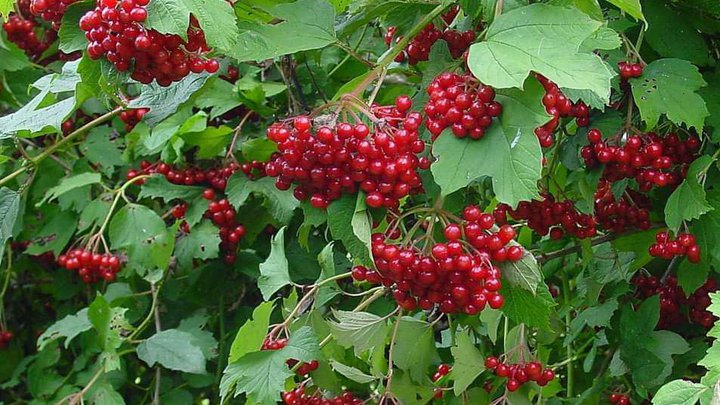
<point x="359" y="202"/>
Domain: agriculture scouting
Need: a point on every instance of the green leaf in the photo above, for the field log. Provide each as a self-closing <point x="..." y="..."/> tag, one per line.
<point x="13" y="58"/>
<point x="9" y="209"/>
<point x="524" y="273"/>
<point x="203" y="242"/>
<point x="259" y="149"/>
<point x="468" y="363"/>
<point x="217" y="20"/>
<point x="133" y="224"/>
<point x="34" y="118"/>
<point x="70" y="183"/>
<point x="631" y="7"/>
<point x="712" y="99"/>
<point x="68" y="327"/>
<point x="280" y="204"/>
<point x="688" y="201"/>
<point x="163" y="101"/>
<point x="509" y="152"/>
<point x="100" y="149"/>
<point x="522" y="306"/>
<point x="210" y="142"/>
<point x="360" y="330"/>
<point x="71" y="37"/>
<point x="274" y="272"/>
<point x="669" y="86"/>
<point x="707" y="230"/>
<point x="352" y="373"/>
<point x="174" y="350"/>
<point x="6" y="7"/>
<point x="262" y="374"/>
<point x="606" y="39"/>
<point x="544" y="39"/>
<point x="325" y="293"/>
<point x="105" y="394"/>
<point x="592" y="317"/>
<point x="142" y="234"/>
<point x="342" y="212"/>
<point x="157" y="186"/>
<point x="415" y="347"/>
<point x="410" y="393"/>
<point x="168" y="17"/>
<point x="679" y="392"/>
<point x="682" y="42"/>
<point x="203" y="339"/>
<point x="250" y="336"/>
<point x="308" y="30"/>
<point x="54" y="235"/>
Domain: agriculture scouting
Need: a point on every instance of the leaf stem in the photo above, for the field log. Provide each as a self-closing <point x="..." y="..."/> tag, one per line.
<point x="569" y="347"/>
<point x="151" y="314"/>
<point x="393" y="339"/>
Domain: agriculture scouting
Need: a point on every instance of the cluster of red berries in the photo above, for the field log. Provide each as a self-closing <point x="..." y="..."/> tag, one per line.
<point x="519" y="373"/>
<point x="442" y="371"/>
<point x="549" y="216"/>
<point x="650" y="159"/>
<point x="22" y="32"/>
<point x="326" y="161"/>
<point x="51" y="11"/>
<point x="672" y="300"/>
<point x="418" y="49"/>
<point x="632" y="210"/>
<point x="5" y="337"/>
<point x="219" y="210"/>
<point x="457" y="276"/>
<point x="699" y="301"/>
<point x="559" y="106"/>
<point x="298" y="396"/>
<point x="672" y="297"/>
<point x="684" y="245"/>
<point x="619" y="399"/>
<point x="90" y="266"/>
<point x="132" y="116"/>
<point x="214" y="177"/>
<point x="115" y="30"/>
<point x="630" y="70"/>
<point x="462" y="103"/>
<point x="277" y="344"/>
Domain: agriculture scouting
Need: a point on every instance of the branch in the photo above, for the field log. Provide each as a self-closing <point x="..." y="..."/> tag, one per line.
<point x="546" y="257"/>
<point x="51" y="149"/>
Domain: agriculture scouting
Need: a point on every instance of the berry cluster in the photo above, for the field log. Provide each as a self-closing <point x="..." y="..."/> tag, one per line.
<point x="462" y="103"/>
<point x="22" y="33"/>
<point x="51" y="11"/>
<point x="277" y="344"/>
<point x="442" y="371"/>
<point x="519" y="373"/>
<point x="619" y="399"/>
<point x="219" y="210"/>
<point x="214" y="177"/>
<point x="418" y="49"/>
<point x="115" y="30"/>
<point x="630" y="70"/>
<point x="326" y="161"/>
<point x="298" y="396"/>
<point x="650" y="159"/>
<point x="684" y="245"/>
<point x="672" y="297"/>
<point x="549" y="216"/>
<point x="699" y="301"/>
<point x="132" y="116"/>
<point x="91" y="267"/>
<point x="673" y="301"/>
<point x="5" y="337"/>
<point x="458" y="276"/>
<point x="559" y="106"/>
<point x="630" y="211"/>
